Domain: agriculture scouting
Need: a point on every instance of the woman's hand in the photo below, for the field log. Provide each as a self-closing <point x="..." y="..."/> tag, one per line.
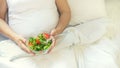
<point x="53" y="44"/>
<point x="22" y="44"/>
<point x="6" y="30"/>
<point x="53" y="33"/>
<point x="65" y="15"/>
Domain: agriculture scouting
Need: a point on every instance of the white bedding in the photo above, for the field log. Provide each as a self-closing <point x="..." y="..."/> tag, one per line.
<point x="103" y="54"/>
<point x="81" y="34"/>
<point x="89" y="50"/>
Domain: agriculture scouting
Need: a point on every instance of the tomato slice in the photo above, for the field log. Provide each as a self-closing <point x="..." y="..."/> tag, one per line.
<point x="46" y="35"/>
<point x="37" y="41"/>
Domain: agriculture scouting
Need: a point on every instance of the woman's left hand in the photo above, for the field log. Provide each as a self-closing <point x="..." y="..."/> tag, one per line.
<point x="53" y="44"/>
<point x="53" y="33"/>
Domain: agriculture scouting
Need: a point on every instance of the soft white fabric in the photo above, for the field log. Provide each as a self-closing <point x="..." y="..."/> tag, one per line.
<point x="10" y="51"/>
<point x="87" y="32"/>
<point x="83" y="34"/>
<point x="2" y="37"/>
<point x="64" y="57"/>
<point x="92" y="31"/>
<point x="30" y="17"/>
<point x="84" y="10"/>
<point x="102" y="54"/>
<point x="4" y="63"/>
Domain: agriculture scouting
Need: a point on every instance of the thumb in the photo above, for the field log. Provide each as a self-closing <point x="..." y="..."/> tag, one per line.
<point x="53" y="32"/>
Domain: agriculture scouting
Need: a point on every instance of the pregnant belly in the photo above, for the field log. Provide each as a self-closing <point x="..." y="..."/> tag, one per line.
<point x="33" y="24"/>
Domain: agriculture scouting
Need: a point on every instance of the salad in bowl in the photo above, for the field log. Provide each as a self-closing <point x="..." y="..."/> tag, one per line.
<point x="43" y="43"/>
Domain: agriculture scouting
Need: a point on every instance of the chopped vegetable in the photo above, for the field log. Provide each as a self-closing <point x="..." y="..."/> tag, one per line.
<point x="37" y="41"/>
<point x="30" y="43"/>
<point x="40" y="43"/>
<point x="46" y="36"/>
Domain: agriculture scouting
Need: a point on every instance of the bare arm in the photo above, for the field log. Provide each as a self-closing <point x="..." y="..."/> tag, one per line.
<point x="3" y="9"/>
<point x="65" y="16"/>
<point x="5" y="29"/>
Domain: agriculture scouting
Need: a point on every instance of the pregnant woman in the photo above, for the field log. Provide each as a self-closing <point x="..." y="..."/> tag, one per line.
<point x="28" y="18"/>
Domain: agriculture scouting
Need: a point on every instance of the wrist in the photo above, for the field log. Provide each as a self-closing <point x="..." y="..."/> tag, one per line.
<point x="59" y="28"/>
<point x="15" y="37"/>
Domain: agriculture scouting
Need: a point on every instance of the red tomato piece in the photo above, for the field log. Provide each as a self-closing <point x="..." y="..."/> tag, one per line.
<point x="37" y="41"/>
<point x="46" y="35"/>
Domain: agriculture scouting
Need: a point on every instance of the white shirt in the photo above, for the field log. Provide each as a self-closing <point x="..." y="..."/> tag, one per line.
<point x="31" y="17"/>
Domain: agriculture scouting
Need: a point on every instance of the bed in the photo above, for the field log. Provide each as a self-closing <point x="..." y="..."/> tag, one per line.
<point x="93" y="48"/>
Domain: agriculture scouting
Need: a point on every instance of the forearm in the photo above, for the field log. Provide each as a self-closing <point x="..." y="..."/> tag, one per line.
<point x="6" y="31"/>
<point x="63" y="21"/>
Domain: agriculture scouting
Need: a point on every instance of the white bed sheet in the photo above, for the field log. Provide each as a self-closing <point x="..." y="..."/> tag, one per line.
<point x="102" y="54"/>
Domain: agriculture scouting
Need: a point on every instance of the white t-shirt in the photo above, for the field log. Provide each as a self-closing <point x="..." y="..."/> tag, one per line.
<point x="31" y="17"/>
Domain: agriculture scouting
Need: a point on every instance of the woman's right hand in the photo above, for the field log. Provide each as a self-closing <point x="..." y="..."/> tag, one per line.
<point x="22" y="44"/>
<point x="7" y="31"/>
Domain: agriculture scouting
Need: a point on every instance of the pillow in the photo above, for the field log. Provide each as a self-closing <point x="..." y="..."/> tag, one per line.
<point x="84" y="10"/>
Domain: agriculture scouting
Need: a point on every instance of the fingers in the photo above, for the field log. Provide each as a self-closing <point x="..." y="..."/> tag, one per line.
<point x="23" y="40"/>
<point x="53" y="45"/>
<point x="23" y="47"/>
<point x="22" y="44"/>
<point x="53" y="32"/>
